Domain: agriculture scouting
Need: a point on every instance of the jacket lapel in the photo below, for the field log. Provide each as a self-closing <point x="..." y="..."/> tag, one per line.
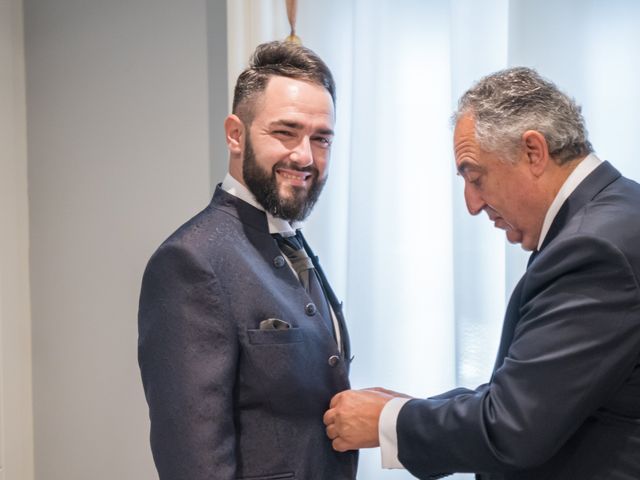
<point x="336" y="305"/>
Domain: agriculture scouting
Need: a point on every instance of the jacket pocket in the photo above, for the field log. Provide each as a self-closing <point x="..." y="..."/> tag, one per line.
<point x="275" y="476"/>
<point x="274" y="337"/>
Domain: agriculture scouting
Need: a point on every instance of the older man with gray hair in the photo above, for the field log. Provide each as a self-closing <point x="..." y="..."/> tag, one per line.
<point x="564" y="398"/>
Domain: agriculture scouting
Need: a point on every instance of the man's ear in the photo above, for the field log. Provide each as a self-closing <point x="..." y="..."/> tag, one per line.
<point x="536" y="151"/>
<point x="234" y="132"/>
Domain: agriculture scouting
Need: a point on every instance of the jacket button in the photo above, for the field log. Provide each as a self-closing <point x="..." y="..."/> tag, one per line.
<point x="310" y="309"/>
<point x="334" y="360"/>
<point x="279" y="261"/>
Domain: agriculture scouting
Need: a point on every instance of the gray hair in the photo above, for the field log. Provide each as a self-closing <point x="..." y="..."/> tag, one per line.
<point x="507" y="103"/>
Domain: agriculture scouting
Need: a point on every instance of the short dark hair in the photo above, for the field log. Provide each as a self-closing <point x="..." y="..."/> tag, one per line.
<point x="507" y="103"/>
<point x="285" y="59"/>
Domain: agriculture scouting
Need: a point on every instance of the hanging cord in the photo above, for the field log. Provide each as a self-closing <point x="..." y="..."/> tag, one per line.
<point x="292" y="12"/>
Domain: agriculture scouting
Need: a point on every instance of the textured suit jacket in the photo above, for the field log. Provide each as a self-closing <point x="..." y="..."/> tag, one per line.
<point x="564" y="399"/>
<point x="228" y="400"/>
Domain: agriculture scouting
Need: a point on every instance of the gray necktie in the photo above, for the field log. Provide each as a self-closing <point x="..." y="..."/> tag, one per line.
<point x="293" y="248"/>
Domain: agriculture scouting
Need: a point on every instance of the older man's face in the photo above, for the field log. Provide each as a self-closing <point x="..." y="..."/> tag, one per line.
<point x="507" y="191"/>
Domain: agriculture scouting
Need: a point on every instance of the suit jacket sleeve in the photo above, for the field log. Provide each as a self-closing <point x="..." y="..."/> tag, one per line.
<point x="574" y="343"/>
<point x="187" y="355"/>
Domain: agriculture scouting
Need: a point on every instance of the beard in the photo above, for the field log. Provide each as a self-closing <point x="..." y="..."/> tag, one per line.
<point x="264" y="186"/>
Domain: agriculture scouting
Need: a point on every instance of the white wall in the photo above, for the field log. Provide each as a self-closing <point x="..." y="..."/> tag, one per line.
<point x="16" y="425"/>
<point x="597" y="63"/>
<point x="218" y="88"/>
<point x="118" y="119"/>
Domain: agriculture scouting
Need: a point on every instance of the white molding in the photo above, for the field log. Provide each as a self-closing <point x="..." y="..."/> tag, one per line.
<point x="250" y="23"/>
<point x="16" y="413"/>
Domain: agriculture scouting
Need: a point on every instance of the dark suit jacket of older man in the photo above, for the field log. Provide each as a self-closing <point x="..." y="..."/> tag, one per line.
<point x="228" y="400"/>
<point x="564" y="400"/>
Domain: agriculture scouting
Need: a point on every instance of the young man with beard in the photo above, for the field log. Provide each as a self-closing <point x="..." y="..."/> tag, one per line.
<point x="242" y="342"/>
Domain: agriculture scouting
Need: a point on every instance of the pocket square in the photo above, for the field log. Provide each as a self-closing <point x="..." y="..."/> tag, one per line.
<point x="274" y="324"/>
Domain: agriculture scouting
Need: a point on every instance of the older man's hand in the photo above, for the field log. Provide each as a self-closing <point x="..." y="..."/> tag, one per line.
<point x="352" y="419"/>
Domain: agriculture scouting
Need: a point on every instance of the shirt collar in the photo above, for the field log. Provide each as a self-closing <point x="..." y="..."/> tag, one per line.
<point x="276" y="225"/>
<point x="582" y="170"/>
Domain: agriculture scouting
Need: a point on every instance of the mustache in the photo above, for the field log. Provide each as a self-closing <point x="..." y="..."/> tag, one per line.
<point x="292" y="166"/>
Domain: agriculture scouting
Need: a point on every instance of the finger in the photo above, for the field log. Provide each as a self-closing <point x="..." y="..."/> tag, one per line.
<point x="332" y="432"/>
<point x="339" y="445"/>
<point x="336" y="399"/>
<point x="329" y="417"/>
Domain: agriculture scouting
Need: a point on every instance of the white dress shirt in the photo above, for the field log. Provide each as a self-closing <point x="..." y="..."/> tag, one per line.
<point x="276" y="225"/>
<point x="584" y="168"/>
<point x="389" y="415"/>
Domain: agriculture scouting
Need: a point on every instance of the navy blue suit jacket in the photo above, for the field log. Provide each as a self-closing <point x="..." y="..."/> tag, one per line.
<point x="228" y="400"/>
<point x="564" y="399"/>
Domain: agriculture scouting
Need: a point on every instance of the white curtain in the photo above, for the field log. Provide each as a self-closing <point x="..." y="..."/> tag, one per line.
<point x="425" y="284"/>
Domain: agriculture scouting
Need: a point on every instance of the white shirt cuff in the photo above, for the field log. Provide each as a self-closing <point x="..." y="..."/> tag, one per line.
<point x="388" y="434"/>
